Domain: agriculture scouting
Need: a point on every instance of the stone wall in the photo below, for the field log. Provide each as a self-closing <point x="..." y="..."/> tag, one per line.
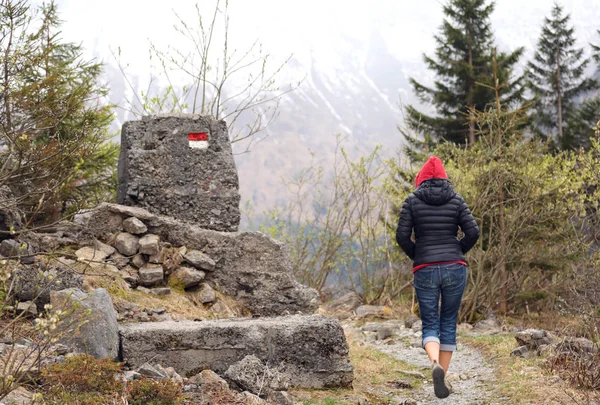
<point x="249" y="266"/>
<point x="312" y="350"/>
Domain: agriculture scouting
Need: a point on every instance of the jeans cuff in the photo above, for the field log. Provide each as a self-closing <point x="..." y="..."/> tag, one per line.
<point x="428" y="339"/>
<point x="447" y="348"/>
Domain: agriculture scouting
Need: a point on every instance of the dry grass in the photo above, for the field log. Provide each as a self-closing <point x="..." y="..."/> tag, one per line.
<point x="522" y="380"/>
<point x="372" y="372"/>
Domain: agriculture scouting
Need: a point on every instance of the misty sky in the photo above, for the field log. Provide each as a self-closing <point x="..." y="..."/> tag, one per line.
<point x="310" y="29"/>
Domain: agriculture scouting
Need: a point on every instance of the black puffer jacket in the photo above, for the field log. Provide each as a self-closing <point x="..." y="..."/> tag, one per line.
<point x="435" y="211"/>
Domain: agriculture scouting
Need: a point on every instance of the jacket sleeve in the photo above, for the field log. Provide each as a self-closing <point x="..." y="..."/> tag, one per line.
<point x="405" y="228"/>
<point x="468" y="225"/>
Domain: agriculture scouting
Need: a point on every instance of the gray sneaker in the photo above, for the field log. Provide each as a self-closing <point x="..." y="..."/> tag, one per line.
<point x="439" y="385"/>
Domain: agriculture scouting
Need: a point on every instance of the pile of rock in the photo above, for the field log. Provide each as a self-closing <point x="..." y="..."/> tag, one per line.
<point x="149" y="264"/>
<point x="167" y="253"/>
<point x="391" y="331"/>
<point x="544" y="343"/>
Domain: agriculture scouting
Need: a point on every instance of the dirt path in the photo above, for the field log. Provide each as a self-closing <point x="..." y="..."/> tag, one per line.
<point x="470" y="374"/>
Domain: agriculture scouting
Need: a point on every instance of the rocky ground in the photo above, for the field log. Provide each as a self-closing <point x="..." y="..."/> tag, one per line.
<point x="470" y="374"/>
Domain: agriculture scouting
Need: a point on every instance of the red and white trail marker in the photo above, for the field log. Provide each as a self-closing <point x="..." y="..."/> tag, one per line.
<point x="198" y="140"/>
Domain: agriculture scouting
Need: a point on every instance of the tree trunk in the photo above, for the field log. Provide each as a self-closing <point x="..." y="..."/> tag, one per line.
<point x="559" y="97"/>
<point x="471" y="89"/>
<point x="502" y="264"/>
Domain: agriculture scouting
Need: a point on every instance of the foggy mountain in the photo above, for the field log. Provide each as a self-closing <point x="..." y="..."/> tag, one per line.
<point x="353" y="85"/>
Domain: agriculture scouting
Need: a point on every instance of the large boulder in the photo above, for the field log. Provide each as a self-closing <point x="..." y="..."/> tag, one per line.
<point x="91" y="324"/>
<point x="312" y="350"/>
<point x="183" y="166"/>
<point x="36" y="282"/>
<point x="248" y="266"/>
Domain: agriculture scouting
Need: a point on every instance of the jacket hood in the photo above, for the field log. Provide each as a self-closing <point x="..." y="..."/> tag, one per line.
<point x="432" y="169"/>
<point x="435" y="191"/>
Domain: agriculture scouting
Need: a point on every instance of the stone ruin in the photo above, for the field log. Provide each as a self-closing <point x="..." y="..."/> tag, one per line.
<point x="176" y="225"/>
<point x="181" y="166"/>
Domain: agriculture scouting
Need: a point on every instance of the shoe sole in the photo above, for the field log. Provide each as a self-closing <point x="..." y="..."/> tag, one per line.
<point x="439" y="385"/>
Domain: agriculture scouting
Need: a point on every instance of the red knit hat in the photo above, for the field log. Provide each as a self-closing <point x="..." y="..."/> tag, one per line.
<point x="432" y="169"/>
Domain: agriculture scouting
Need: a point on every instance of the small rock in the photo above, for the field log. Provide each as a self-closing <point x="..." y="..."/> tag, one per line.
<point x="532" y="338"/>
<point x="60" y="349"/>
<point x="186" y="277"/>
<point x="251" y="399"/>
<point x="138" y="260"/>
<point x="280" y="398"/>
<point x="18" y="396"/>
<point x="143" y="317"/>
<point x="344" y="306"/>
<point x="414" y="374"/>
<point x="417" y="326"/>
<point x="103" y="247"/>
<point x="13" y="248"/>
<point x="545" y="350"/>
<point x="151" y="371"/>
<point x="91" y="254"/>
<point x="127" y="244"/>
<point x="372" y="326"/>
<point x="464" y="327"/>
<point x="253" y="375"/>
<point x="134" y="226"/>
<point x="119" y="260"/>
<point x="220" y="310"/>
<point x="407" y="401"/>
<point x="208" y="381"/>
<point x="149" y="244"/>
<point x="151" y="275"/>
<point x="408" y="322"/>
<point x="130" y="275"/>
<point x="158" y="258"/>
<point x="520" y="351"/>
<point x="161" y="291"/>
<point x="453" y="377"/>
<point x="199" y="260"/>
<point x="373" y="311"/>
<point x="28" y="308"/>
<point x="384" y="332"/>
<point x="172" y="374"/>
<point x="143" y="289"/>
<point x="206" y="294"/>
<point x="577" y="345"/>
<point x="158" y="311"/>
<point x="401" y="384"/>
<point x="490" y="324"/>
<point x="131" y="375"/>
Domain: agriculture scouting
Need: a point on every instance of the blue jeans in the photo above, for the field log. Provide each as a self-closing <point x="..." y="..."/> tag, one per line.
<point x="439" y="321"/>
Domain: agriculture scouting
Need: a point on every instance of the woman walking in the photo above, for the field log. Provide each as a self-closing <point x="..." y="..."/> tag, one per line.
<point x="435" y="212"/>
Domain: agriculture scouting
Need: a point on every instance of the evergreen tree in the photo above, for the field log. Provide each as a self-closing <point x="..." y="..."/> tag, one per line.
<point x="463" y="62"/>
<point x="596" y="53"/>
<point x="557" y="78"/>
<point x="54" y="141"/>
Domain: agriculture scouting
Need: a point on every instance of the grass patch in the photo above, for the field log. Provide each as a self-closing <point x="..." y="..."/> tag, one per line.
<point x="372" y="372"/>
<point x="519" y="380"/>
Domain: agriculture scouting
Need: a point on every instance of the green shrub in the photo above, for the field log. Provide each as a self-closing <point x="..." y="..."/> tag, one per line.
<point x="83" y="373"/>
<point x="84" y="380"/>
<point x="150" y="392"/>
